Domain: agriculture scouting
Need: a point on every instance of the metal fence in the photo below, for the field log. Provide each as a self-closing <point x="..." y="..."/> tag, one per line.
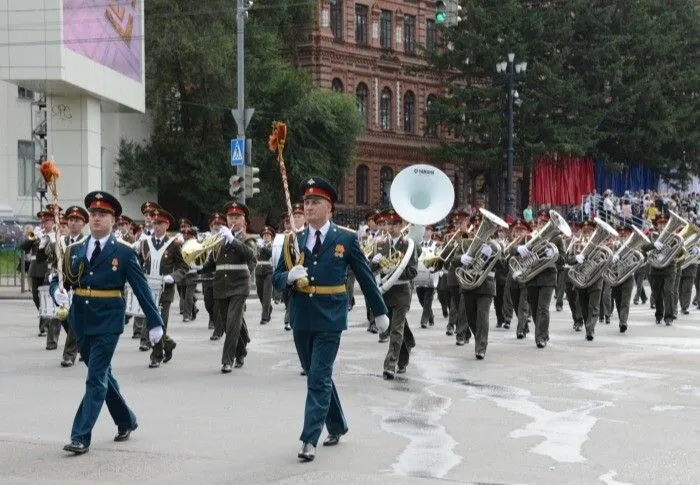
<point x="12" y="272"/>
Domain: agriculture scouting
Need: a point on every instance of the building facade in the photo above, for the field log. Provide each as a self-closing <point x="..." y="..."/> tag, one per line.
<point x="373" y="52"/>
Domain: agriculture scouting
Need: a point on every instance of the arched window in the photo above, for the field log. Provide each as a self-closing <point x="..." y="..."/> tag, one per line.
<point x="385" y="110"/>
<point x="337" y="85"/>
<point x="386" y="175"/>
<point x="409" y="111"/>
<point x="362" y="185"/>
<point x="429" y="128"/>
<point x="361" y="96"/>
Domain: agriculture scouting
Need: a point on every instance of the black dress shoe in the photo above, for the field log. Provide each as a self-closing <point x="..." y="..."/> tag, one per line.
<point x="668" y="322"/>
<point x="541" y="344"/>
<point x="52" y="347"/>
<point x="66" y="363"/>
<point x="169" y="353"/>
<point x="332" y="440"/>
<point x="76" y="447"/>
<point x="520" y="335"/>
<point x="154" y="364"/>
<point x="136" y="335"/>
<point x="288" y="327"/>
<point x="685" y="312"/>
<point x="589" y="336"/>
<point x="607" y="320"/>
<point x="450" y="331"/>
<point x="124" y="433"/>
<point x="263" y="322"/>
<point x="307" y="452"/>
<point x="401" y="370"/>
<point x="372" y="328"/>
<point x="302" y="373"/>
<point x="424" y="325"/>
<point x="506" y="325"/>
<point x="214" y="337"/>
<point x="144" y="347"/>
<point x="499" y="325"/>
<point x="388" y="375"/>
<point x="445" y="313"/>
<point x="226" y="368"/>
<point x="623" y="328"/>
<point x="480" y="355"/>
<point x="460" y="342"/>
<point x="239" y="362"/>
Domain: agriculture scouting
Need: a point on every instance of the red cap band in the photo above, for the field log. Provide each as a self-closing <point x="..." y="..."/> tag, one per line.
<point x="102" y="205"/>
<point x="315" y="191"/>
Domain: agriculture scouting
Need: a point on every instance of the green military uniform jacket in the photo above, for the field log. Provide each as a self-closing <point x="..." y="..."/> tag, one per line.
<point x="667" y="270"/>
<point x="232" y="264"/>
<point x="400" y="293"/>
<point x="317" y="312"/>
<point x="548" y="277"/>
<point x="39" y="265"/>
<point x="116" y="265"/>
<point x="264" y="267"/>
<point x="488" y="287"/>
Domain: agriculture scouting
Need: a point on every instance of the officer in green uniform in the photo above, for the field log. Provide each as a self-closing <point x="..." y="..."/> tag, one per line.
<point x="463" y="329"/>
<point x="233" y="263"/>
<point x="662" y="279"/>
<point x="397" y="298"/>
<point x="589" y="298"/>
<point x="462" y="223"/>
<point x="185" y="225"/>
<point x="477" y="301"/>
<point x="188" y="284"/>
<point x="319" y="305"/>
<point x="540" y="289"/>
<point x="263" y="274"/>
<point x="76" y="218"/>
<point x="160" y="256"/>
<point x="96" y="270"/>
<point x="686" y="284"/>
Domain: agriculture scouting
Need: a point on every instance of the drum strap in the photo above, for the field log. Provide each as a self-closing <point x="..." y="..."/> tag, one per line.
<point x="156" y="255"/>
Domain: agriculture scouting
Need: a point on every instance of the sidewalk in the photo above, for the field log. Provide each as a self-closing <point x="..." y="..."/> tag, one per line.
<point x="14" y="293"/>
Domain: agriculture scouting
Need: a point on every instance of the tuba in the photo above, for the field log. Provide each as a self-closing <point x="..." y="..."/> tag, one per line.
<point x="473" y="276"/>
<point x="691" y="240"/>
<point x="526" y="268"/>
<point x="628" y="259"/>
<point x="193" y="250"/>
<point x="421" y="195"/>
<point x="597" y="256"/>
<point x="673" y="243"/>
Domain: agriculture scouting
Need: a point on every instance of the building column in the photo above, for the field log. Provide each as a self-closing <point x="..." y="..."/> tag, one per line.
<point x="74" y="135"/>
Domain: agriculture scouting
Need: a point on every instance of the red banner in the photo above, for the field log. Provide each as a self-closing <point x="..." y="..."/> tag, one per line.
<point x="561" y="181"/>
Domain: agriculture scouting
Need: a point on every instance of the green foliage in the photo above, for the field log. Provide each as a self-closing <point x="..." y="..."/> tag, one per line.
<point x="615" y="80"/>
<point x="191" y="88"/>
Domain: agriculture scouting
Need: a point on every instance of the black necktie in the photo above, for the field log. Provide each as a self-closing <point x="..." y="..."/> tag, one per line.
<point x="159" y="243"/>
<point x="96" y="252"/>
<point x="317" y="245"/>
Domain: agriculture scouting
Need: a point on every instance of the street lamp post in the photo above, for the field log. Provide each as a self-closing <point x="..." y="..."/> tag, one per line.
<point x="511" y="72"/>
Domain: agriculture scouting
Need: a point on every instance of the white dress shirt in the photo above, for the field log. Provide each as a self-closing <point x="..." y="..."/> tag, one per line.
<point x="91" y="245"/>
<point x="311" y="240"/>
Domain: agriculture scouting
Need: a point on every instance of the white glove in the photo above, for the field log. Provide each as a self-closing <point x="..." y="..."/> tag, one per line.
<point x="580" y="258"/>
<point x="549" y="252"/>
<point x="44" y="241"/>
<point x="487" y="251"/>
<point x="168" y="279"/>
<point x="377" y="258"/>
<point x="296" y="273"/>
<point x="382" y="322"/>
<point x="155" y="334"/>
<point x="696" y="251"/>
<point x="615" y="259"/>
<point x="466" y="260"/>
<point x="658" y="245"/>
<point x="523" y="250"/>
<point x="61" y="297"/>
<point x="385" y="270"/>
<point x="226" y="233"/>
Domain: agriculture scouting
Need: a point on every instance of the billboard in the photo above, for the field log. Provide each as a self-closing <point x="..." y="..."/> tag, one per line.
<point x="107" y="32"/>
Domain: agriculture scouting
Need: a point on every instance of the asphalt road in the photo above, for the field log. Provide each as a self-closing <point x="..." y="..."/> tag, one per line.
<point x="622" y="409"/>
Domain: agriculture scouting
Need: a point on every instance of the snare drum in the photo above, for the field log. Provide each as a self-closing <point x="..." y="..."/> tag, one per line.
<point x="133" y="308"/>
<point x="47" y="308"/>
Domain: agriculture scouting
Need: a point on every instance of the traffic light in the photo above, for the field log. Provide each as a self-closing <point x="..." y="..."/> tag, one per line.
<point x="447" y="12"/>
<point x="251" y="181"/>
<point x="440" y="12"/>
<point x="236" y="187"/>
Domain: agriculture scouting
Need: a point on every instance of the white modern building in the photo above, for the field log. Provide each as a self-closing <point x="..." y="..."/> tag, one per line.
<point x="71" y="87"/>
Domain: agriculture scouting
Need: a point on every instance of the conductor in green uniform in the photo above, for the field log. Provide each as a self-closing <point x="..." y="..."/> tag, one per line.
<point x="97" y="269"/>
<point x="319" y="307"/>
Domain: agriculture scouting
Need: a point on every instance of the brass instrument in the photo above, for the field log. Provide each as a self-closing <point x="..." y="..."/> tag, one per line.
<point x="672" y="242"/>
<point x="448" y="250"/>
<point x="525" y="268"/>
<point x="597" y="256"/>
<point x="474" y="275"/>
<point x="508" y="247"/>
<point x="193" y="250"/>
<point x="691" y="242"/>
<point x="627" y="259"/>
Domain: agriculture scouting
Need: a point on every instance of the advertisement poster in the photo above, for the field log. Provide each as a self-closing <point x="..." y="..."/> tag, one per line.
<point x="106" y="31"/>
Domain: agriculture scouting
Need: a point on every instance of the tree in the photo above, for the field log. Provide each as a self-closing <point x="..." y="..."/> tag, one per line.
<point x="191" y="87"/>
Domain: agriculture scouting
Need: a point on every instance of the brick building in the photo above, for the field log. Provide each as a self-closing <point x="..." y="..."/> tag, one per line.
<point x="367" y="50"/>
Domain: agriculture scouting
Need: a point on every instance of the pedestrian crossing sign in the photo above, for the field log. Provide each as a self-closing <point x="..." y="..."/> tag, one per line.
<point x="237" y="152"/>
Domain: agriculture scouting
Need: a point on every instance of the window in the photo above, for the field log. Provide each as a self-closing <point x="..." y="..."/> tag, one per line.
<point x="430" y="35"/>
<point x="409" y="111"/>
<point x="337" y="19"/>
<point x="23" y="93"/>
<point x="385" y="30"/>
<point x="361" y="96"/>
<point x="409" y="34"/>
<point x="362" y="185"/>
<point x="385" y="110"/>
<point x="26" y="168"/>
<point x="361" y="37"/>
<point x="386" y="176"/>
<point x="429" y="128"/>
<point x="337" y="85"/>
